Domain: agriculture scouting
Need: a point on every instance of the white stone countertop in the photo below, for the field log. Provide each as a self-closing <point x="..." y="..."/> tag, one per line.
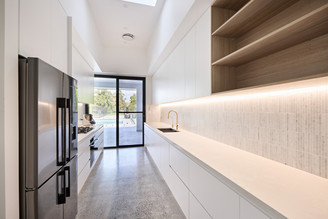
<point x="292" y="192"/>
<point x="82" y="136"/>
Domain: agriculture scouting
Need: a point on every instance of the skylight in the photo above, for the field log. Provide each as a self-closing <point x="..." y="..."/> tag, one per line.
<point x="143" y="2"/>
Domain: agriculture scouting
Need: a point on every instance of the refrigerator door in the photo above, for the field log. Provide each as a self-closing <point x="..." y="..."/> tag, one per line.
<point x="70" y="93"/>
<point x="43" y="122"/>
<point x="44" y="202"/>
<point x="70" y="208"/>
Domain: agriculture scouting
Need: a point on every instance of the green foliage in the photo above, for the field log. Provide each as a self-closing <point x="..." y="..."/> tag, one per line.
<point x="133" y="103"/>
<point x="121" y="100"/>
<point x="105" y="102"/>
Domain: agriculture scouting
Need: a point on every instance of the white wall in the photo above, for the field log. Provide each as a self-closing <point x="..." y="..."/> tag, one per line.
<point x="83" y="22"/>
<point x="286" y="123"/>
<point x="175" y="21"/>
<point x="129" y="61"/>
<point x="173" y="13"/>
<point x="9" y="200"/>
<point x="2" y="148"/>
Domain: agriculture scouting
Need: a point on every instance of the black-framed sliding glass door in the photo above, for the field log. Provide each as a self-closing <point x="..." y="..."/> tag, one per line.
<point x="119" y="105"/>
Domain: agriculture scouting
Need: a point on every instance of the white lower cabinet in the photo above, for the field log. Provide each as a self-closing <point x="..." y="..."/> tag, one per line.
<point x="84" y="167"/>
<point x="196" y="210"/>
<point x="249" y="211"/>
<point x="199" y="194"/>
<point x="218" y="199"/>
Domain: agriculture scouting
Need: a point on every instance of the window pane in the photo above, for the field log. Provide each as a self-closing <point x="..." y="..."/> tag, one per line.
<point x="130" y="95"/>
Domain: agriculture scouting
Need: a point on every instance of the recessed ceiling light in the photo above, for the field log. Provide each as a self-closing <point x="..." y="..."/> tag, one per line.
<point x="128" y="36"/>
<point x="143" y="2"/>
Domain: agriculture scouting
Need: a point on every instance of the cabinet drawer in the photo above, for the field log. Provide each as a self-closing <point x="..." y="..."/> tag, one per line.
<point x="179" y="191"/>
<point x="248" y="211"/>
<point x="82" y="160"/>
<point x="82" y="177"/>
<point x="180" y="164"/>
<point x="83" y="146"/>
<point x="218" y="199"/>
<point x="196" y="210"/>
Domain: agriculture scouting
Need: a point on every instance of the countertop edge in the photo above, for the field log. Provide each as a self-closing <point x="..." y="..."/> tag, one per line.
<point x="82" y="137"/>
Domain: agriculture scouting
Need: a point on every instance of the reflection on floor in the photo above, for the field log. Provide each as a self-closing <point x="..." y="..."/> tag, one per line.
<point x="128" y="136"/>
<point x="126" y="184"/>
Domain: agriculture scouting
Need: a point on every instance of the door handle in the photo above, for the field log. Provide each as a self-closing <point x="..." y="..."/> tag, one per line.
<point x="67" y="181"/>
<point x="60" y="129"/>
<point x="68" y="136"/>
<point x="61" y="197"/>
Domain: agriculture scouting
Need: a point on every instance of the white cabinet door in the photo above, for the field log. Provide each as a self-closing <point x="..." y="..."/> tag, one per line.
<point x="196" y="210"/>
<point x="248" y="211"/>
<point x="176" y="73"/>
<point x="203" y="55"/>
<point x="43" y="32"/>
<point x="83" y="73"/>
<point x="83" y="176"/>
<point x="180" y="164"/>
<point x="218" y="199"/>
<point x="190" y="65"/>
<point x="165" y="158"/>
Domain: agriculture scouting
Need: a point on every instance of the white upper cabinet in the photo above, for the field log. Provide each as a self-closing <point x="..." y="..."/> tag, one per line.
<point x="203" y="55"/>
<point x="43" y="32"/>
<point x="190" y="64"/>
<point x="83" y="73"/>
<point x="186" y="73"/>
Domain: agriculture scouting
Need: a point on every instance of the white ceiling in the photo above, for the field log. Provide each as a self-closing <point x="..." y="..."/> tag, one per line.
<point x="115" y="17"/>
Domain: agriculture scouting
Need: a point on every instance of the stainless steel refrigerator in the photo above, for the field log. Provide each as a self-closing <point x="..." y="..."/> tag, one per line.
<point x="48" y="141"/>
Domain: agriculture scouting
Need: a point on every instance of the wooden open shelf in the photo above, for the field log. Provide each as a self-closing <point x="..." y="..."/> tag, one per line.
<point x="293" y="48"/>
<point x="251" y="15"/>
<point x="305" y="28"/>
<point x="230" y="4"/>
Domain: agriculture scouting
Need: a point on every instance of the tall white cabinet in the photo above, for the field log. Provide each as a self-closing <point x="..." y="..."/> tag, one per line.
<point x="43" y="32"/>
<point x="186" y="73"/>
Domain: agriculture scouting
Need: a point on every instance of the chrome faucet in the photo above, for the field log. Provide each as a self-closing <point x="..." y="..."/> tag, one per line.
<point x="177" y="120"/>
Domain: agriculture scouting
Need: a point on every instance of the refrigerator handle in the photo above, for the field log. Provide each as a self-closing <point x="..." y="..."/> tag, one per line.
<point x="61" y="179"/>
<point x="68" y="181"/>
<point x="69" y="134"/>
<point x="60" y="131"/>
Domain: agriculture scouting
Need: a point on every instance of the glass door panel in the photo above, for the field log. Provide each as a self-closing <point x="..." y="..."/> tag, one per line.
<point x="104" y="108"/>
<point x="131" y="111"/>
<point x="130" y="129"/>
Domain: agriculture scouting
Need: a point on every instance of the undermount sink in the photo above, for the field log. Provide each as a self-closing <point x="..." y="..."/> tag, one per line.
<point x="167" y="130"/>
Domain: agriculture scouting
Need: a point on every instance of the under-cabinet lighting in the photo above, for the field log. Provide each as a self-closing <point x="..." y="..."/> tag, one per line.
<point x="263" y="94"/>
<point x="143" y="2"/>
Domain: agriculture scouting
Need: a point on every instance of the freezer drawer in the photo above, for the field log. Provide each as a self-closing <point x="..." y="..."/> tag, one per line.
<point x="43" y="202"/>
<point x="57" y="198"/>
<point x="70" y="207"/>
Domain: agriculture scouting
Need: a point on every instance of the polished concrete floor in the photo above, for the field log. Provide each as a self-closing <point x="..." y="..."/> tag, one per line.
<point x="126" y="184"/>
<point x="128" y="136"/>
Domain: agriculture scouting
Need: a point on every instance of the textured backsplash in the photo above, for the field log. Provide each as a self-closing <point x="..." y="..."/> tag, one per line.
<point x="291" y="128"/>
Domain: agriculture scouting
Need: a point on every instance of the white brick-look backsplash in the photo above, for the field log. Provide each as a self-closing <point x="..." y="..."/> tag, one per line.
<point x="290" y="128"/>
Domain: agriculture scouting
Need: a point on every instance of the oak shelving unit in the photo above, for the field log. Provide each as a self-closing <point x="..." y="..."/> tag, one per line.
<point x="260" y="42"/>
